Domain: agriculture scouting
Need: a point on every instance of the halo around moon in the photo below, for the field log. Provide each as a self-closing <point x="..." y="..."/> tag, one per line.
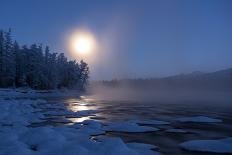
<point x="82" y="43"/>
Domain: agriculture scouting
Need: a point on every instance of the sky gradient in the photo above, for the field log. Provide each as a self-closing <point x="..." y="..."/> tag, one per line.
<point x="137" y="38"/>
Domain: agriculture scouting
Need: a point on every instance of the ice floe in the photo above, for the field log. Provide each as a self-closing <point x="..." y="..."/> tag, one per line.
<point x="18" y="138"/>
<point x="13" y="112"/>
<point x="213" y="146"/>
<point x="65" y="140"/>
<point x="199" y="119"/>
<point x="144" y="148"/>
<point x="27" y="92"/>
<point x="89" y="127"/>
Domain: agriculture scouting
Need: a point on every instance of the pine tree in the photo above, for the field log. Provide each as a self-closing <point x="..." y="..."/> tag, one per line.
<point x="1" y="57"/>
<point x="15" y="54"/>
<point x="8" y="61"/>
<point x="38" y="69"/>
<point x="84" y="74"/>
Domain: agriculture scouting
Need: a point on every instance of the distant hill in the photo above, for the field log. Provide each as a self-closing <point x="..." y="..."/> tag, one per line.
<point x="219" y="80"/>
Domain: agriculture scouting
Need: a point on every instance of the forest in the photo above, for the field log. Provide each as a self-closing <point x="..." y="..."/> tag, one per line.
<point x="37" y="67"/>
<point x="220" y="80"/>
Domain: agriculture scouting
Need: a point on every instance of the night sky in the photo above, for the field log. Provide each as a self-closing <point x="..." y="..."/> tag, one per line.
<point x="143" y="38"/>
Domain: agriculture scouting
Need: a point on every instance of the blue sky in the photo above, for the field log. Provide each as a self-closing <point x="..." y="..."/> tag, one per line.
<point x="140" y="38"/>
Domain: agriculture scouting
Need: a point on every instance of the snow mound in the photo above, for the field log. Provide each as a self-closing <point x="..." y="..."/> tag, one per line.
<point x="64" y="140"/>
<point x="18" y="112"/>
<point x="199" y="119"/>
<point x="114" y="146"/>
<point x="213" y="146"/>
<point x="89" y="127"/>
<point x="18" y="138"/>
<point x="92" y="124"/>
<point x="29" y="93"/>
<point x="45" y="106"/>
<point x="144" y="148"/>
<point x="128" y="127"/>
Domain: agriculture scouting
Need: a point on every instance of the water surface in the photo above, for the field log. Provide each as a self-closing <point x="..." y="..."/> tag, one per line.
<point x="123" y="110"/>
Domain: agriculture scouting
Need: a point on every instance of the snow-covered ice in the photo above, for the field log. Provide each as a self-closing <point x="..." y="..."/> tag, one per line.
<point x="13" y="112"/>
<point x="92" y="124"/>
<point x="89" y="127"/>
<point x="144" y="148"/>
<point x="64" y="140"/>
<point x="213" y="146"/>
<point x="199" y="119"/>
<point x="18" y="138"/>
<point x="27" y="92"/>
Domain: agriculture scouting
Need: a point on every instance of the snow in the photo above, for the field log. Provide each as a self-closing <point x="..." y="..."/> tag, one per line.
<point x="92" y="124"/>
<point x="213" y="146"/>
<point x="64" y="140"/>
<point x="114" y="146"/>
<point x="144" y="148"/>
<point x="44" y="105"/>
<point x="199" y="119"/>
<point x="89" y="127"/>
<point x="18" y="138"/>
<point x="128" y="126"/>
<point x="27" y="92"/>
<point x="13" y="112"/>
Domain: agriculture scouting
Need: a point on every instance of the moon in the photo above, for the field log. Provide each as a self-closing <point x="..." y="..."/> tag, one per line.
<point x="83" y="43"/>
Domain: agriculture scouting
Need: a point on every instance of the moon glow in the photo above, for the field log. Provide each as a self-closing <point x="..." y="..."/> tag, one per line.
<point x="83" y="43"/>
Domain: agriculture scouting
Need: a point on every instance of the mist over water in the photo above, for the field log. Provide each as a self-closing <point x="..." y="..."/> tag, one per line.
<point x="164" y="96"/>
<point x="204" y="88"/>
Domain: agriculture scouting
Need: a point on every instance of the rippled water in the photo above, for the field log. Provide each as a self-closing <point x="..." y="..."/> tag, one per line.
<point x="112" y="111"/>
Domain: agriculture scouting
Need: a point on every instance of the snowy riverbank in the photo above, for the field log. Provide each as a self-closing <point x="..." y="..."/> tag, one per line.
<point x="30" y="93"/>
<point x="18" y="137"/>
<point x="32" y="126"/>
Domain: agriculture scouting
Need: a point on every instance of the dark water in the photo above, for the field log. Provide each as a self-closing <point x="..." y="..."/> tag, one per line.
<point x="111" y="111"/>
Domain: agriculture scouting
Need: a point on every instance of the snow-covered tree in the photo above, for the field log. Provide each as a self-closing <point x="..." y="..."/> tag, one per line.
<point x="38" y="68"/>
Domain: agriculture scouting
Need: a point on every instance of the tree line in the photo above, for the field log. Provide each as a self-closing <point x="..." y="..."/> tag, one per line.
<point x="37" y="67"/>
<point x="220" y="80"/>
